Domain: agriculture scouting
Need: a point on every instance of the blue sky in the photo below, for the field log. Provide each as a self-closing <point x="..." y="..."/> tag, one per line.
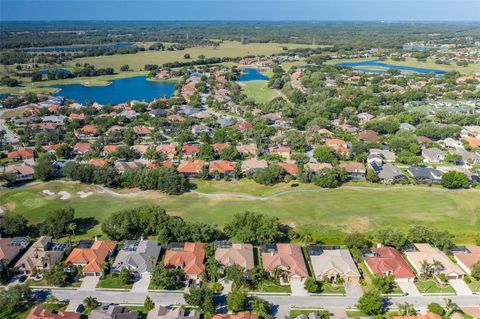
<point x="371" y="10"/>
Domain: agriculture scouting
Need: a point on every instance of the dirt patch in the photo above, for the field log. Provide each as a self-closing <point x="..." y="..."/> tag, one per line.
<point x="48" y="192"/>
<point x="64" y="195"/>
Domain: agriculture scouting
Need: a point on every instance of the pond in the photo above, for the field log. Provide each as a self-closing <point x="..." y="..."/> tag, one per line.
<point x="79" y="47"/>
<point x="251" y="74"/>
<point x="375" y="63"/>
<point x="119" y="91"/>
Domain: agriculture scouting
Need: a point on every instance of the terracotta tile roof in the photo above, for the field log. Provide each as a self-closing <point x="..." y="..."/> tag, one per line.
<point x="469" y="258"/>
<point x="247" y="149"/>
<point x="82" y="148"/>
<point x="290" y="168"/>
<point x="141" y="130"/>
<point x="140" y="148"/>
<point x="335" y="142"/>
<point x="244" y="126"/>
<point x="190" y="258"/>
<point x="75" y="116"/>
<point x="92" y="258"/>
<point x="289" y="257"/>
<point x="190" y="149"/>
<point x="42" y="313"/>
<point x="52" y="147"/>
<point x="218" y="147"/>
<point x="389" y="260"/>
<point x="169" y="149"/>
<point x="222" y="167"/>
<point x="369" y="136"/>
<point x="88" y="129"/>
<point x="110" y="148"/>
<point x="238" y="254"/>
<point x="167" y="163"/>
<point x="22" y="153"/>
<point x="191" y="166"/>
<point x="176" y="118"/>
<point x="429" y="315"/>
<point x="474" y="142"/>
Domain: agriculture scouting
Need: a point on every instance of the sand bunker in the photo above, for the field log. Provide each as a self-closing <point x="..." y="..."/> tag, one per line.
<point x="48" y="192"/>
<point x="84" y="194"/>
<point x="64" y="195"/>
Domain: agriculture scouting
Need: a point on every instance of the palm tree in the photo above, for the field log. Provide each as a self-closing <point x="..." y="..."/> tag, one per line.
<point x="436" y="267"/>
<point x="406" y="309"/>
<point x="306" y="238"/>
<point x="451" y="308"/>
<point x="261" y="307"/>
<point x="72" y="227"/>
<point x="279" y="272"/>
<point x="424" y="269"/>
<point x="91" y="302"/>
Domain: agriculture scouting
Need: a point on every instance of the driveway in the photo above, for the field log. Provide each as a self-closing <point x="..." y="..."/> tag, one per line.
<point x="142" y="284"/>
<point x="353" y="289"/>
<point x="460" y="287"/>
<point x="89" y="283"/>
<point x="297" y="287"/>
<point x="409" y="288"/>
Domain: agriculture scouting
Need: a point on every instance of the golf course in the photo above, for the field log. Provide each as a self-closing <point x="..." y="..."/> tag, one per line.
<point x="326" y="213"/>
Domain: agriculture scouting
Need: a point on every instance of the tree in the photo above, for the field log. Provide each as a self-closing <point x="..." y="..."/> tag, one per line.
<point x="311" y="285"/>
<point x="91" y="302"/>
<point x="237" y="301"/>
<point x="391" y="237"/>
<point x="254" y="228"/>
<point x="455" y="180"/>
<point x="166" y="278"/>
<point x="271" y="175"/>
<point x="206" y="152"/>
<point x="125" y="276"/>
<point x="13" y="225"/>
<point x="14" y="298"/>
<point x="436" y="308"/>
<point x="124" y="68"/>
<point x="329" y="178"/>
<point x="325" y="154"/>
<point x="451" y="308"/>
<point x="44" y="170"/>
<point x="261" y="307"/>
<point x="476" y="271"/>
<point x="384" y="284"/>
<point x="186" y="56"/>
<point x="202" y="298"/>
<point x="406" y="309"/>
<point x="235" y="273"/>
<point x="148" y="304"/>
<point x="56" y="275"/>
<point x="212" y="269"/>
<point x="371" y="303"/>
<point x="57" y="222"/>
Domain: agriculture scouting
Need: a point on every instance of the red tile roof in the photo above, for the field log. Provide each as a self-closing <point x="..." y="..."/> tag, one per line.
<point x="141" y="130"/>
<point x="190" y="258"/>
<point x="290" y="168"/>
<point x="169" y="149"/>
<point x="98" y="162"/>
<point x="88" y="129"/>
<point x="191" y="166"/>
<point x="223" y="167"/>
<point x="288" y="256"/>
<point x="42" y="313"/>
<point x="240" y="315"/>
<point x="389" y="260"/>
<point x="82" y="147"/>
<point x="110" y="148"/>
<point x="369" y="136"/>
<point x="92" y="258"/>
<point x="190" y="149"/>
<point x="22" y="153"/>
<point x="218" y="147"/>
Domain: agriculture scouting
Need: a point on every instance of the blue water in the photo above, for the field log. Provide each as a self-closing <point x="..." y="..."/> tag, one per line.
<point x="119" y="91"/>
<point x="78" y="47"/>
<point x="54" y="70"/>
<point x="387" y="66"/>
<point x="251" y="74"/>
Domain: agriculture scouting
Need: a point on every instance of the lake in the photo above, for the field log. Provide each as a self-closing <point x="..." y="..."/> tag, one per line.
<point x="376" y="63"/>
<point x="119" y="91"/>
<point x="78" y="47"/>
<point x="251" y="74"/>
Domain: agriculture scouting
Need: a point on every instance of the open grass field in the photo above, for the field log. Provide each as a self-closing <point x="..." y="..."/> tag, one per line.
<point x="327" y="213"/>
<point x="226" y="49"/>
<point x="259" y="91"/>
<point x="430" y="286"/>
<point x="429" y="64"/>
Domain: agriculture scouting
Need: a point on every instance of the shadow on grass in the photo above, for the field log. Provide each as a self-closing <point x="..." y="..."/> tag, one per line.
<point x="84" y="224"/>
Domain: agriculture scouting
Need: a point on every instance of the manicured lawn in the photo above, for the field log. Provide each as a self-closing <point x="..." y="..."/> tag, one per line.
<point x="430" y="286"/>
<point x="141" y="309"/>
<point x="318" y="210"/>
<point x="259" y="91"/>
<point x="327" y="288"/>
<point x="474" y="285"/>
<point x="271" y="287"/>
<point x="113" y="282"/>
<point x="22" y="312"/>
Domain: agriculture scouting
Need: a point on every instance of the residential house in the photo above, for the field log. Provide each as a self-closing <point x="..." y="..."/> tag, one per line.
<point x="229" y="254"/>
<point x="253" y="165"/>
<point x="170" y="150"/>
<point x="190" y="151"/>
<point x="468" y="158"/>
<point x="98" y="162"/>
<point x="424" y="140"/>
<point x="82" y="148"/>
<point x="355" y="171"/>
<point x="191" y="168"/>
<point x="280" y="150"/>
<point x="331" y="262"/>
<point x="11" y="247"/>
<point x="425" y="174"/>
<point x="368" y="136"/>
<point x="467" y="258"/>
<point x="433" y="155"/>
<point x="21" y="173"/>
<point x="199" y="129"/>
<point x="109" y="149"/>
<point x="425" y="253"/>
<point x="141" y="130"/>
<point x="91" y="256"/>
<point x="50" y="149"/>
<point x="20" y="154"/>
<point x="87" y="131"/>
<point x="188" y="256"/>
<point x="114" y="312"/>
<point x="247" y="149"/>
<point x="428" y="315"/>
<point x="338" y="145"/>
<point x="138" y="256"/>
<point x="290" y="168"/>
<point x="450" y="142"/>
<point x="389" y="173"/>
<point x="43" y="313"/>
<point x="386" y="261"/>
<point x="219" y="147"/>
<point x="161" y="312"/>
<point x="407" y="127"/>
<point x="388" y="156"/>
<point x="123" y="166"/>
<point x="287" y="257"/>
<point x="221" y="167"/>
<point x="472" y="141"/>
<point x="42" y="255"/>
<point x="316" y="167"/>
<point x="364" y="117"/>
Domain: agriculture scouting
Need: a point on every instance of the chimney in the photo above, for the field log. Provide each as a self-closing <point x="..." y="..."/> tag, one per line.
<point x="96" y="238"/>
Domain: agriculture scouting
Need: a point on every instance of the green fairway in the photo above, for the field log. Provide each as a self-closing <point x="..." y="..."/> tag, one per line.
<point x="259" y="91"/>
<point x="226" y="49"/>
<point x="325" y="212"/>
